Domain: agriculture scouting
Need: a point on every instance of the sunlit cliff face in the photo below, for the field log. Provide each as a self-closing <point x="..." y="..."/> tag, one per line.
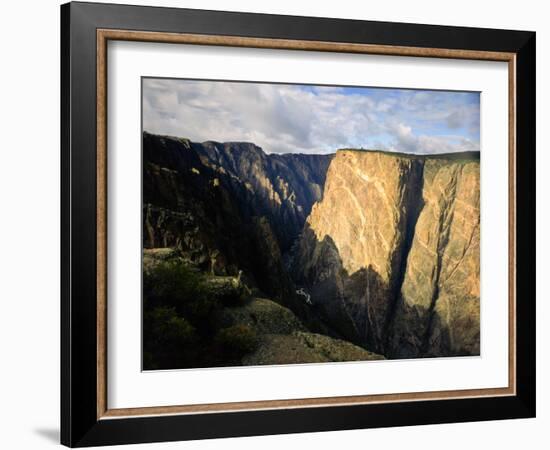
<point x="403" y="264"/>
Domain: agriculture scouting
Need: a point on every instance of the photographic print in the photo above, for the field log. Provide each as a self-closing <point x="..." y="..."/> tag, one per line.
<point x="293" y="224"/>
<point x="240" y="197"/>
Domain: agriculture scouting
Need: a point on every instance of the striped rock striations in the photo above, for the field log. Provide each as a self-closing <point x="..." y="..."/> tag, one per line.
<point x="390" y="255"/>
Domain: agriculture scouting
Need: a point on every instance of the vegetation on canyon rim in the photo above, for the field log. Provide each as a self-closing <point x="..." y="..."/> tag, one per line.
<point x="182" y="323"/>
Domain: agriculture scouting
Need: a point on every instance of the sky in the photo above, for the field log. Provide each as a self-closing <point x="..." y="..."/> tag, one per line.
<point x="283" y="118"/>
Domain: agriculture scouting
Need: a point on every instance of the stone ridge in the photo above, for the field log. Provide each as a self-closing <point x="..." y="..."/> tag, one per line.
<point x="229" y="207"/>
<point x="391" y="253"/>
<point x="285" y="186"/>
<point x="453" y="156"/>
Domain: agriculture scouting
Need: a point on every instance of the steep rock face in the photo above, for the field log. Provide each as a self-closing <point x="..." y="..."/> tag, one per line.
<point x="284" y="186"/>
<point x="438" y="308"/>
<point x="391" y="254"/>
<point x="353" y="245"/>
<point x="229" y="207"/>
<point x="206" y="215"/>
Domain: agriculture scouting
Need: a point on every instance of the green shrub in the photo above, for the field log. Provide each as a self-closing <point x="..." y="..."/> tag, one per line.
<point x="181" y="326"/>
<point x="236" y="341"/>
<point x="164" y="326"/>
<point x="169" y="340"/>
<point x="148" y="361"/>
<point x="169" y="282"/>
<point x="235" y="295"/>
<point x="179" y="286"/>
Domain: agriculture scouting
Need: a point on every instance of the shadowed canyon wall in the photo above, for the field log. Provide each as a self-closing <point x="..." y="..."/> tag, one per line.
<point x="229" y="207"/>
<point x="284" y="187"/>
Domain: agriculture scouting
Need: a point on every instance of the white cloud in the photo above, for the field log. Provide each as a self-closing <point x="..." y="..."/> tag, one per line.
<point x="287" y="118"/>
<point x="406" y="141"/>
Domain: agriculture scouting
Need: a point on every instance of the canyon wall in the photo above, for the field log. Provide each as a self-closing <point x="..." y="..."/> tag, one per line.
<point x="391" y="253"/>
<point x="377" y="248"/>
<point x="229" y="207"/>
<point x="284" y="186"/>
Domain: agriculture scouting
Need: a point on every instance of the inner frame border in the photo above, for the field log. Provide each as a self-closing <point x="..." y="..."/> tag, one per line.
<point x="103" y="36"/>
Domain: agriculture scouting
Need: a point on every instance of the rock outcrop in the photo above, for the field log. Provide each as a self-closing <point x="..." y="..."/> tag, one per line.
<point x="438" y="308"/>
<point x="302" y="348"/>
<point x="391" y="254"/>
<point x="229" y="207"/>
<point x="284" y="340"/>
<point x="284" y="186"/>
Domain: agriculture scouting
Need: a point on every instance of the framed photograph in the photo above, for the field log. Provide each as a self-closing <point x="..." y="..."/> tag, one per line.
<point x="276" y="224"/>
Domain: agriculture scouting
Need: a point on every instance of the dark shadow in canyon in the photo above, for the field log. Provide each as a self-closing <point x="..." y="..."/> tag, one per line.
<point x="358" y="306"/>
<point x="415" y="203"/>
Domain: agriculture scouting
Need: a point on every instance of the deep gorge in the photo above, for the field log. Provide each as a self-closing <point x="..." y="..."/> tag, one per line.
<point x="384" y="246"/>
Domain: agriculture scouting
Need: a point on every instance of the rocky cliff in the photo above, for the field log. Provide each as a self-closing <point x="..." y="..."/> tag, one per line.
<point x="379" y="249"/>
<point x="284" y="187"/>
<point x="390" y="256"/>
<point x="229" y="207"/>
<point x="282" y="339"/>
<point x="239" y="329"/>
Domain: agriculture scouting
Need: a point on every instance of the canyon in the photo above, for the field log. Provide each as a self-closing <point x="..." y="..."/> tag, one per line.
<point x="371" y="254"/>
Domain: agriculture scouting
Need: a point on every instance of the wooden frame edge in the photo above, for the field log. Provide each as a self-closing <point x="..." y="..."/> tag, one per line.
<point x="289" y="44"/>
<point x="512" y="272"/>
<point x="101" y="223"/>
<point x="103" y="36"/>
<point x="303" y="403"/>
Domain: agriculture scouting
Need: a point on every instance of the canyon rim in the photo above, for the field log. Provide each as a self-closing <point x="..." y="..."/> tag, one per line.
<point x="289" y="224"/>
